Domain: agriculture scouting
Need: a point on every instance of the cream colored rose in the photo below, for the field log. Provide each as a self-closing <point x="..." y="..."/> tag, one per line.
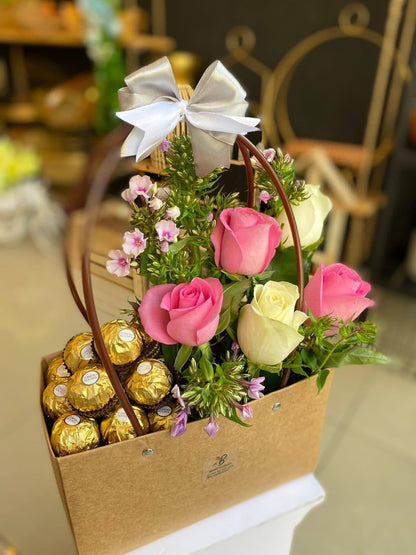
<point x="267" y="329"/>
<point x="310" y="216"/>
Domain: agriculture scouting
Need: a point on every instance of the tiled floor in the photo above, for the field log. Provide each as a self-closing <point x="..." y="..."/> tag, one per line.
<point x="368" y="456"/>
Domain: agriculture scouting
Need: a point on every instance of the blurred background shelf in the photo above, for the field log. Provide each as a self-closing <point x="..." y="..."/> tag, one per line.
<point x="24" y="36"/>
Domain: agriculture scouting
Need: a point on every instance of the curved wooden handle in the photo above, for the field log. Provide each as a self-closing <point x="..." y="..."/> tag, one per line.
<point x="96" y="193"/>
<point x="247" y="146"/>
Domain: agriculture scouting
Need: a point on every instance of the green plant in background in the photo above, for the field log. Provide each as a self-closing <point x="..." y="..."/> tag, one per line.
<point x="17" y="163"/>
<point x="102" y="30"/>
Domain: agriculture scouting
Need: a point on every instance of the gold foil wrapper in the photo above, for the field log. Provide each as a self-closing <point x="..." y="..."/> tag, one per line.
<point x="57" y="370"/>
<point x="164" y="416"/>
<point x="150" y="382"/>
<point x="78" y="352"/>
<point x="72" y="433"/>
<point x="123" y="342"/>
<point x="90" y="390"/>
<point x="117" y="427"/>
<point x="55" y="399"/>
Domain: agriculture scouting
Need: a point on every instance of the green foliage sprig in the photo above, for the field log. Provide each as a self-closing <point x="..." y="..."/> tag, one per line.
<point x="319" y="351"/>
<point x="197" y="198"/>
<point x="285" y="171"/>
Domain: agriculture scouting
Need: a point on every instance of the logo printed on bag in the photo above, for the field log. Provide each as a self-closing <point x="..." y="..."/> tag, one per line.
<point x="72" y="420"/>
<point x="126" y="335"/>
<point x="60" y="390"/>
<point x="89" y="378"/>
<point x="164" y="411"/>
<point x="219" y="465"/>
<point x="121" y="415"/>
<point x="144" y="368"/>
<point x="87" y="353"/>
<point x="62" y="371"/>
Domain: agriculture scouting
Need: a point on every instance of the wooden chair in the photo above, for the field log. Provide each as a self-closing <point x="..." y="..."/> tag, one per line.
<point x="351" y="173"/>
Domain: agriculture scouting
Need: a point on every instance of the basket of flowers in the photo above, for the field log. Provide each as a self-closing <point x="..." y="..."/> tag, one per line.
<point x="206" y="394"/>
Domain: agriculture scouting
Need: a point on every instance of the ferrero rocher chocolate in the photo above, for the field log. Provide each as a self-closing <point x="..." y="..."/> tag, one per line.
<point x="72" y="433"/>
<point x="90" y="391"/>
<point x="56" y="370"/>
<point x="78" y="352"/>
<point x="55" y="399"/>
<point x="117" y="427"/>
<point x="163" y="416"/>
<point x="123" y="342"/>
<point x="150" y="382"/>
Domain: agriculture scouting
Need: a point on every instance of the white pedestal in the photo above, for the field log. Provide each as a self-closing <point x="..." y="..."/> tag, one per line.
<point x="264" y="524"/>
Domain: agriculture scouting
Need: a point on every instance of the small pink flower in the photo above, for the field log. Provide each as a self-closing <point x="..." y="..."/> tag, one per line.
<point x="164" y="246"/>
<point x="176" y="394"/>
<point x="141" y="185"/>
<point x="264" y="196"/>
<point x="165" y="145"/>
<point x="212" y="427"/>
<point x="163" y="193"/>
<point x="128" y="196"/>
<point x="134" y="242"/>
<point x="173" y="213"/>
<point x="155" y="204"/>
<point x="269" y="154"/>
<point x="179" y="426"/>
<point x="167" y="230"/>
<point x="119" y="263"/>
<point x="235" y="347"/>
<point x="210" y="217"/>
<point x="245" y="410"/>
<point x="255" y="387"/>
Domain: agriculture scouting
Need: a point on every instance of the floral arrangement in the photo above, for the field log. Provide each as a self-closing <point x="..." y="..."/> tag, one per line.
<point x="222" y="301"/>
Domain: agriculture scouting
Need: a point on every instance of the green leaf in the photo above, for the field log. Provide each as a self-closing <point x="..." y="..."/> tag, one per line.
<point x="224" y="321"/>
<point x="283" y="265"/>
<point x="309" y="358"/>
<point x="256" y="368"/>
<point x="299" y="370"/>
<point x="232" y="295"/>
<point x="321" y="379"/>
<point x="182" y="357"/>
<point x="206" y="368"/>
<point x="169" y="353"/>
<point x="144" y="261"/>
<point x="356" y="355"/>
<point x="235" y="418"/>
<point x="174" y="248"/>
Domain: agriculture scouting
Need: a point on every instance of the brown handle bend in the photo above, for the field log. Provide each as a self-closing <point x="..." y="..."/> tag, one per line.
<point x="247" y="146"/>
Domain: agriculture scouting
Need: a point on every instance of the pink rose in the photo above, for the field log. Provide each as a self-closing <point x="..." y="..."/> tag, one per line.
<point x="245" y="241"/>
<point x="187" y="313"/>
<point x="338" y="291"/>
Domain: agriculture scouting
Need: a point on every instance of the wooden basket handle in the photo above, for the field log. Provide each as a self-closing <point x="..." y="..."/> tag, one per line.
<point x="98" y="188"/>
<point x="247" y="146"/>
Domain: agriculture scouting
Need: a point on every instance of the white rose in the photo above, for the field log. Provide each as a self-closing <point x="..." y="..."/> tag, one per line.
<point x="309" y="215"/>
<point x="267" y="328"/>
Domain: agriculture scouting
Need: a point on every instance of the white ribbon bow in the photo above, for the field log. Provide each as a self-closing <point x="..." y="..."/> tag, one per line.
<point x="215" y="114"/>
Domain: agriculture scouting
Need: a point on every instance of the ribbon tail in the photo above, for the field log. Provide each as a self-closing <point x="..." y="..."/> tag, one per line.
<point x="209" y="152"/>
<point x="220" y="123"/>
<point x="152" y="124"/>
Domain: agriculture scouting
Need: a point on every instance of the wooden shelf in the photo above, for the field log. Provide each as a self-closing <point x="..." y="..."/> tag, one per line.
<point x="68" y="38"/>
